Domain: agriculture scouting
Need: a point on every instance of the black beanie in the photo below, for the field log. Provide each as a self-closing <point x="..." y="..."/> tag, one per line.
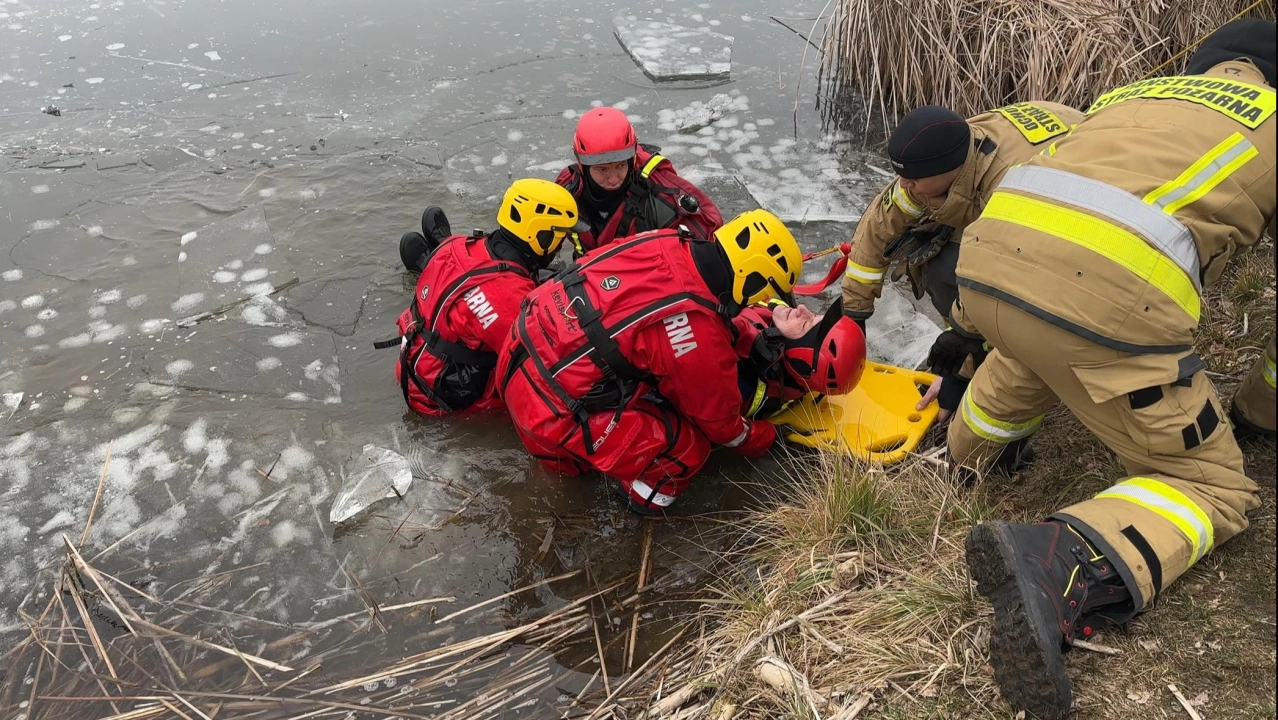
<point x="1250" y="38"/>
<point x="931" y="140"/>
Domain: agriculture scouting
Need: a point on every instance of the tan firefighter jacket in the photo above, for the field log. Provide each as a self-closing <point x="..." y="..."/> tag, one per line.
<point x="1113" y="234"/>
<point x="1000" y="139"/>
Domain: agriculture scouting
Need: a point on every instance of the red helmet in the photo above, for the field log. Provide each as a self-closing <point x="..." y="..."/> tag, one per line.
<point x="604" y="135"/>
<point x="830" y="358"/>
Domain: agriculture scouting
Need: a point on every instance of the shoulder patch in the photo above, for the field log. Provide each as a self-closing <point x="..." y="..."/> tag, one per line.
<point x="1037" y="124"/>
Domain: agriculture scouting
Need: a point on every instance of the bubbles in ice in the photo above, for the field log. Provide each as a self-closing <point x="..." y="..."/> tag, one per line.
<point x="12" y="275"/>
<point x="153" y="325"/>
<point x="254" y="275"/>
<point x="224" y="276"/>
<point x="44" y="224"/>
<point x="47" y="314"/>
<point x="39" y="189"/>
<point x="188" y="302"/>
<point x="76" y="341"/>
<point x="32" y="301"/>
<point x="108" y="297"/>
<point x="267" y="364"/>
<point x="34" y="331"/>
<point x="263" y="249"/>
<point x="283" y="340"/>
<point x="177" y="367"/>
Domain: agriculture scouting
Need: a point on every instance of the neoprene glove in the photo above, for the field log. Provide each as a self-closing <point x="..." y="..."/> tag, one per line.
<point x="952" y="389"/>
<point x="760" y="439"/>
<point x="951" y="350"/>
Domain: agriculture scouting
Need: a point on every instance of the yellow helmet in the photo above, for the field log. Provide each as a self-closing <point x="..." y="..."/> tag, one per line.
<point x="764" y="256"/>
<point x="540" y="213"/>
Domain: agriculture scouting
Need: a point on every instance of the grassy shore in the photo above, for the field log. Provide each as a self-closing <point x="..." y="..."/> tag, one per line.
<point x="849" y="596"/>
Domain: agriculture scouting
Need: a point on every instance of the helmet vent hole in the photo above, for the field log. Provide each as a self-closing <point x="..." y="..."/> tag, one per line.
<point x="743" y="238"/>
<point x="774" y="250"/>
<point x="545" y="238"/>
<point x="541" y="209"/>
<point x="785" y="265"/>
<point x="514" y="214"/>
<point x="754" y="284"/>
<point x="553" y="211"/>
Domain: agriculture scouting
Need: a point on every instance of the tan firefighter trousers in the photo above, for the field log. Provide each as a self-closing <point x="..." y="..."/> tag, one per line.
<point x="1185" y="492"/>
<point x="1255" y="397"/>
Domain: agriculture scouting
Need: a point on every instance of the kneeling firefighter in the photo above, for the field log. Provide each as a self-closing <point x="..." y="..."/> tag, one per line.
<point x="625" y="363"/>
<point x="624" y="188"/>
<point x="787" y="352"/>
<point x="1086" y="273"/>
<point x="468" y="293"/>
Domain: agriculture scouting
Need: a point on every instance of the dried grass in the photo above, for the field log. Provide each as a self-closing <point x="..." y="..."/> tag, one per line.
<point x="883" y="58"/>
<point x="852" y="588"/>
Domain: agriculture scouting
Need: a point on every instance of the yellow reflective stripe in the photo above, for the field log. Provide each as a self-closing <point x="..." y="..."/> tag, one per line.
<point x="901" y="198"/>
<point x="651" y="165"/>
<point x="1170" y="504"/>
<point x="999" y="431"/>
<point x="1208" y="172"/>
<point x="757" y="402"/>
<point x="1269" y="371"/>
<point x="865" y="274"/>
<point x="1050" y="150"/>
<point x="1102" y="238"/>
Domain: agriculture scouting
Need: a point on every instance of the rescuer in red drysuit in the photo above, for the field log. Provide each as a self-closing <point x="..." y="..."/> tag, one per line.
<point x="468" y="293"/>
<point x="624" y="188"/>
<point x="625" y="362"/>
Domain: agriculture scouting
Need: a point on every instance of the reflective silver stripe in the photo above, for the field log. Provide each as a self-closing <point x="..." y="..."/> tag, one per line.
<point x="901" y="198"/>
<point x="1202" y="176"/>
<point x="740" y="438"/>
<point x="865" y="274"/>
<point x="644" y="490"/>
<point x="1157" y="228"/>
<point x="604" y="158"/>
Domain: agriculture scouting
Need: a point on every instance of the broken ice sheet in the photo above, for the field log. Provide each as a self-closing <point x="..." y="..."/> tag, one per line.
<point x="671" y="52"/>
<point x="11" y="402"/>
<point x="373" y="474"/>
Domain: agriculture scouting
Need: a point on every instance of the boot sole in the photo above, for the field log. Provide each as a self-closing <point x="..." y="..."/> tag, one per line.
<point x="1028" y="666"/>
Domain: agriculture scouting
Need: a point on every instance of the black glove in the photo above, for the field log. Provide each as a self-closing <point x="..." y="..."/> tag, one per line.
<point x="950" y="351"/>
<point x="952" y="389"/>
<point x="857" y="316"/>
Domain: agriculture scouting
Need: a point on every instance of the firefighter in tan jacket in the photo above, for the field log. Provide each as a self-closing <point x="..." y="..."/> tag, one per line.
<point x="1252" y="414"/>
<point x="1085" y="273"/>
<point x="947" y="167"/>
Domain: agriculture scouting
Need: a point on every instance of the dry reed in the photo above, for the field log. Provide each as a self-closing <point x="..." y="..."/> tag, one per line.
<point x="883" y="58"/>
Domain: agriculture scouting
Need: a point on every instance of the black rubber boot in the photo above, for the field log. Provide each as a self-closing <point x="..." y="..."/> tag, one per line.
<point x="1245" y="429"/>
<point x="435" y="226"/>
<point x="413" y="252"/>
<point x="1041" y="579"/>
<point x="1014" y="457"/>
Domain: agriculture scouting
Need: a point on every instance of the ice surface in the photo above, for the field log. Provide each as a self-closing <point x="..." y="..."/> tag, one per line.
<point x="898" y="333"/>
<point x="373" y="474"/>
<point x="671" y="52"/>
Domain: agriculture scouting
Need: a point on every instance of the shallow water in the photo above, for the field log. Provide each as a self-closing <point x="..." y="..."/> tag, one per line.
<point x="207" y="152"/>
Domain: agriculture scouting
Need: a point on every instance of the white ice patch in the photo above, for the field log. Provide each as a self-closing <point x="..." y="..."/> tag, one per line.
<point x="74" y="404"/>
<point x="188" y="302"/>
<point x="115" y="46"/>
<point x="254" y="275"/>
<point x="63" y="519"/>
<point x="260" y="288"/>
<point x="284" y="340"/>
<point x="93" y="81"/>
<point x="12" y="275"/>
<point x="136" y="301"/>
<point x="263" y="249"/>
<point x="296" y="397"/>
<point x="671" y="52"/>
<point x="224" y="276"/>
<point x="189" y="237"/>
<point x="34" y="331"/>
<point x="44" y="225"/>
<point x="108" y="297"/>
<point x="95" y="231"/>
<point x="267" y="364"/>
<point x="262" y="311"/>
<point x="150" y="327"/>
<point x="212" y="55"/>
<point x="287" y="531"/>
<point x="195" y="438"/>
<point x="177" y="367"/>
<point x="7" y="305"/>
<point x="499" y="160"/>
<point x="64" y="38"/>
<point x="97" y="312"/>
<point x="32" y="301"/>
<point x="76" y="341"/>
<point x="47" y="314"/>
<point x="515" y="135"/>
<point x="266" y="192"/>
<point x="39" y="189"/>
